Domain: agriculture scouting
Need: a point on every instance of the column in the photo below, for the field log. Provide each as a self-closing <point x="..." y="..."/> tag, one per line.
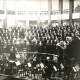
<point x="5" y="13"/>
<point x="38" y="14"/>
<point x="60" y="11"/>
<point x="16" y="13"/>
<point x="49" y="11"/>
<point x="27" y="19"/>
<point x="16" y="17"/>
<point x="71" y="7"/>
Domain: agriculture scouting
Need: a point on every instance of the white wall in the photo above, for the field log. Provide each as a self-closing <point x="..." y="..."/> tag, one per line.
<point x="28" y="5"/>
<point x="1" y="4"/>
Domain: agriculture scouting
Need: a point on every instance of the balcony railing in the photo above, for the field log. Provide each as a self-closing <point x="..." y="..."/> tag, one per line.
<point x="8" y="12"/>
<point x="54" y="12"/>
<point x="11" y="12"/>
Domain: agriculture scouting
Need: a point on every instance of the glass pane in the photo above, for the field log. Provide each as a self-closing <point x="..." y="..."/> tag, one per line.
<point x="55" y="5"/>
<point x="65" y="6"/>
<point x="76" y="5"/>
<point x="44" y="5"/>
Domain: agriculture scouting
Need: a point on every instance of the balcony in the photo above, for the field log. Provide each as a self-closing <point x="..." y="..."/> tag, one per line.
<point x="33" y="15"/>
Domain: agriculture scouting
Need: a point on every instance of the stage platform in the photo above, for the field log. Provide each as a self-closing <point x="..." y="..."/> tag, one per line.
<point x="14" y="77"/>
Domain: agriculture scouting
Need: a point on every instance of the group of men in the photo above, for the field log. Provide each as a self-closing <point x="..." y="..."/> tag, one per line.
<point x="37" y="39"/>
<point x="51" y="40"/>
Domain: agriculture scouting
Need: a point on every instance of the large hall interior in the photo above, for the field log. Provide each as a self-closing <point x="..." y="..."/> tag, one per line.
<point x="39" y="39"/>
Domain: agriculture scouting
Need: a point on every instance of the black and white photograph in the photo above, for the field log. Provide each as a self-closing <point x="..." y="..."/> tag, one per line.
<point x="39" y="39"/>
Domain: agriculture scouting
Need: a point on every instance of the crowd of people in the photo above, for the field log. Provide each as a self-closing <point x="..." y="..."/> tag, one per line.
<point x="38" y="39"/>
<point x="49" y="40"/>
<point x="9" y="37"/>
<point x="48" y="37"/>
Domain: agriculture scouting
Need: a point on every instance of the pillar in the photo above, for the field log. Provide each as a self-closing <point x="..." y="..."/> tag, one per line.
<point x="60" y="11"/>
<point x="27" y="19"/>
<point x="71" y="7"/>
<point x="38" y="14"/>
<point x="16" y="17"/>
<point x="49" y="11"/>
<point x="5" y="13"/>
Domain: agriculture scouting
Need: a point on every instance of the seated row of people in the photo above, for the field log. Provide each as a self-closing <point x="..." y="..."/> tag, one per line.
<point x="38" y="38"/>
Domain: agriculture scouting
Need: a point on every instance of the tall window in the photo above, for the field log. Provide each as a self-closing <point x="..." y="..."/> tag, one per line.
<point x="43" y="12"/>
<point x="65" y="6"/>
<point x="65" y="15"/>
<point x="55" y="6"/>
<point x="76" y="6"/>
